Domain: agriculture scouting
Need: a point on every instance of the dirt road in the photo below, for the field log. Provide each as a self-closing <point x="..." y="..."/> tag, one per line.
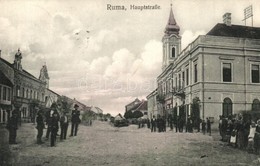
<point x="103" y="144"/>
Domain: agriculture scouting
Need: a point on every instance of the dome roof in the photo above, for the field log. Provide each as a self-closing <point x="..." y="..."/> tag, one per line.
<point x="172" y="27"/>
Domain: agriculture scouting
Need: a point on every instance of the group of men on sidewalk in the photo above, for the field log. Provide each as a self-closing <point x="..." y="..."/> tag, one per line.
<point x="179" y="124"/>
<point x="53" y="121"/>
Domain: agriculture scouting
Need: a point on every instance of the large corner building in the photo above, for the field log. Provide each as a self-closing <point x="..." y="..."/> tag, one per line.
<point x="221" y="70"/>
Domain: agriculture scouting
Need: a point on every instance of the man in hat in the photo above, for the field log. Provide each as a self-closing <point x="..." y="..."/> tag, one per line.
<point x="40" y="126"/>
<point x="63" y="125"/>
<point x="54" y="127"/>
<point x="12" y="126"/>
<point x="75" y="120"/>
<point x="49" y="115"/>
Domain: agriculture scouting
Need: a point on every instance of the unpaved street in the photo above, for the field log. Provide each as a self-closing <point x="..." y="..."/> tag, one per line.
<point x="103" y="144"/>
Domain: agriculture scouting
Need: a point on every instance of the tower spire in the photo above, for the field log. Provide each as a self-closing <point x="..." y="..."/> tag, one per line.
<point x="172" y="27"/>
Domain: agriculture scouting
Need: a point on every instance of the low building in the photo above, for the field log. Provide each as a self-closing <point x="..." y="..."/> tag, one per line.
<point x="133" y="104"/>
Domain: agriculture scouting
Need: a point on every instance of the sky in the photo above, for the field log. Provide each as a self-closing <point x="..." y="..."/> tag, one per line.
<point x="101" y="57"/>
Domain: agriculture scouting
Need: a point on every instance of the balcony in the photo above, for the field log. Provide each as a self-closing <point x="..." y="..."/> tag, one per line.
<point x="179" y="92"/>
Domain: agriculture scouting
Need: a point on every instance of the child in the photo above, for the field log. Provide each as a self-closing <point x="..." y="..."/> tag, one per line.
<point x="250" y="145"/>
<point x="257" y="137"/>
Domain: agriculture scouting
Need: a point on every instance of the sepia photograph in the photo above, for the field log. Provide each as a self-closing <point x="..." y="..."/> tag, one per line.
<point x="129" y="82"/>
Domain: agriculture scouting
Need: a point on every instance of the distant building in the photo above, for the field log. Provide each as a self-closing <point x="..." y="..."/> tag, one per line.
<point x="97" y="110"/>
<point x="133" y="104"/>
<point x="137" y="105"/>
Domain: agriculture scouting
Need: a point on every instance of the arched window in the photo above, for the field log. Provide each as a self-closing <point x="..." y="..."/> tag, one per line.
<point x="27" y="93"/>
<point x="23" y="93"/>
<point x="173" y="52"/>
<point x="256" y="105"/>
<point x="227" y="107"/>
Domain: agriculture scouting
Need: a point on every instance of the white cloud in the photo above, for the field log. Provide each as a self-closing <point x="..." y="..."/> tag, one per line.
<point x="99" y="65"/>
<point x="189" y="36"/>
<point x="122" y="61"/>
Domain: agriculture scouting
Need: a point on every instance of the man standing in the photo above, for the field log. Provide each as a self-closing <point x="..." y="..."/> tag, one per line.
<point x="75" y="120"/>
<point x="39" y="127"/>
<point x="153" y="122"/>
<point x="54" y="126"/>
<point x="208" y="126"/>
<point x="63" y="125"/>
<point x="12" y="127"/>
<point x="49" y="115"/>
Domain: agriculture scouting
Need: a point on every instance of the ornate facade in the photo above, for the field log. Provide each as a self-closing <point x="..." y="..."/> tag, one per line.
<point x="219" y="70"/>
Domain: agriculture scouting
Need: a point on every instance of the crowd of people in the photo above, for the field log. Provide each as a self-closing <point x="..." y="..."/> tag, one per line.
<point x="159" y="124"/>
<point x="241" y="131"/>
<point x="55" y="120"/>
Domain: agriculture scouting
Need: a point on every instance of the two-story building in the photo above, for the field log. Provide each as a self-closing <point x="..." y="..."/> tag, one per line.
<point x="6" y="89"/>
<point x="221" y="69"/>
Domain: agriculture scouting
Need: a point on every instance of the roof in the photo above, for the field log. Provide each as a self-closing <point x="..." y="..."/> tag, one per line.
<point x="172" y="26"/>
<point x="6" y="62"/>
<point x="136" y="100"/>
<point x="4" y="80"/>
<point x="53" y="92"/>
<point x="239" y="31"/>
<point x="119" y="117"/>
<point x="24" y="71"/>
<point x="140" y="106"/>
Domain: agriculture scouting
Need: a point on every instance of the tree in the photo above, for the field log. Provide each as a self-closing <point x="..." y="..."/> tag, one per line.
<point x="128" y="115"/>
<point x="195" y="109"/>
<point x="137" y="114"/>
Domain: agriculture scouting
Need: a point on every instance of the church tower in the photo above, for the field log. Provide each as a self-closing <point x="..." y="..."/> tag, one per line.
<point x="171" y="41"/>
<point x="44" y="76"/>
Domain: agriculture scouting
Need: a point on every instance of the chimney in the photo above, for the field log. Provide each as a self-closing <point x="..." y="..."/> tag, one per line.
<point x="0" y="53"/>
<point x="227" y="19"/>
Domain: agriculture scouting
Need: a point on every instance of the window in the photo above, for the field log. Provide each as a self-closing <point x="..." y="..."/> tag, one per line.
<point x="173" y="52"/>
<point x="183" y="79"/>
<point x="255" y="74"/>
<point x="195" y="73"/>
<point x="27" y="93"/>
<point x="227" y="107"/>
<point x="179" y="81"/>
<point x="34" y="95"/>
<point x="0" y="92"/>
<point x="42" y="96"/>
<point x="9" y="94"/>
<point x="18" y="90"/>
<point x="31" y="94"/>
<point x="23" y="93"/>
<point x="187" y="77"/>
<point x="4" y="93"/>
<point x="256" y="105"/>
<point x="226" y="72"/>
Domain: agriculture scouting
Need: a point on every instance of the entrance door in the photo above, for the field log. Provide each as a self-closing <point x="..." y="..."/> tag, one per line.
<point x="227" y="107"/>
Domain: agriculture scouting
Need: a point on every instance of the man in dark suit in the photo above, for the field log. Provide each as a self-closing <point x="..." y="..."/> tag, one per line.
<point x="63" y="125"/>
<point x="49" y="115"/>
<point x="12" y="126"/>
<point x="153" y="122"/>
<point x="40" y="126"/>
<point x="54" y="126"/>
<point x="75" y="120"/>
